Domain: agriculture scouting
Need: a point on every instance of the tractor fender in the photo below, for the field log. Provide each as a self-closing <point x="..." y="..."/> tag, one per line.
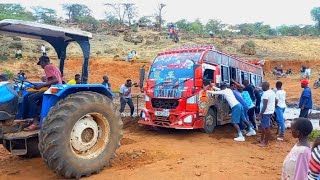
<point x="50" y="99"/>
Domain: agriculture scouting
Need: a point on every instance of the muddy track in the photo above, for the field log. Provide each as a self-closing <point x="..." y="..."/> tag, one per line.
<point x="178" y="154"/>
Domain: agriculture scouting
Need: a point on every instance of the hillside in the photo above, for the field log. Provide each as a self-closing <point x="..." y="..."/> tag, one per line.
<point x="291" y="52"/>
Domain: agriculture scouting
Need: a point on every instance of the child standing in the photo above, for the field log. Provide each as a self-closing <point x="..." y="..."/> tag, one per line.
<point x="295" y="166"/>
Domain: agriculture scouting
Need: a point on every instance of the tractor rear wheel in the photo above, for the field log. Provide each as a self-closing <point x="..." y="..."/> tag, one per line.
<point x="80" y="135"/>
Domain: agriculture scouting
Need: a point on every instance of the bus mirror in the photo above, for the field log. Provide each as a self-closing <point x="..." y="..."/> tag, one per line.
<point x="142" y="75"/>
<point x="198" y="72"/>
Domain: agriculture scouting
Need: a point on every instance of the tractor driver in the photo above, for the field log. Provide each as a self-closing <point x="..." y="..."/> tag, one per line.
<point x="53" y="76"/>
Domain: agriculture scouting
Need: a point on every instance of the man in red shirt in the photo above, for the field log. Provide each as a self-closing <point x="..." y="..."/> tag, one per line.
<point x="53" y="76"/>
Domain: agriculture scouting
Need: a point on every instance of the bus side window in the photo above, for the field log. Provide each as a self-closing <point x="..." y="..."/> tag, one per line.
<point x="225" y="74"/>
<point x="233" y="73"/>
<point x="208" y="76"/>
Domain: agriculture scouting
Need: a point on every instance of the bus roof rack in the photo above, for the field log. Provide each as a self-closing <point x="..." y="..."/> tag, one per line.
<point x="190" y="48"/>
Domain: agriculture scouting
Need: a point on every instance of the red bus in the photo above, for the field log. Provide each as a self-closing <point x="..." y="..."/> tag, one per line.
<point x="176" y="87"/>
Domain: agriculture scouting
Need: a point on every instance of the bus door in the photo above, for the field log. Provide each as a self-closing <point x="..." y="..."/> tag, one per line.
<point x="209" y="74"/>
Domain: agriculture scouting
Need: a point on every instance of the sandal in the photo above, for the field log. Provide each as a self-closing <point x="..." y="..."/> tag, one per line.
<point x="32" y="127"/>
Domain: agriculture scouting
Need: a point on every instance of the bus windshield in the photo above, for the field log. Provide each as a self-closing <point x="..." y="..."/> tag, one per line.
<point x="174" y="66"/>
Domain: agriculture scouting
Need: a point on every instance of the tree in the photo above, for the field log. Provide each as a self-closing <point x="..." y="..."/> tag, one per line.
<point x="197" y="26"/>
<point x="315" y="13"/>
<point x="130" y="10"/>
<point x="215" y="26"/>
<point x="76" y="11"/>
<point x="118" y="10"/>
<point x="159" y="15"/>
<point x="183" y="24"/>
<point x="145" y="21"/>
<point x="45" y="15"/>
<point x="14" y="11"/>
<point x="112" y="20"/>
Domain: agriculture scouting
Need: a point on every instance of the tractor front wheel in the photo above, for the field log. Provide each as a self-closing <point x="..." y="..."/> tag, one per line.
<point x="80" y="135"/>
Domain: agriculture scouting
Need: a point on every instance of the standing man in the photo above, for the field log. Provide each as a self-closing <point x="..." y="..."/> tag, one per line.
<point x="280" y="107"/>
<point x="248" y="87"/>
<point x="268" y="106"/>
<point x="258" y="99"/>
<point x="126" y="97"/>
<point x="43" y="50"/>
<point x="106" y="82"/>
<point x="53" y="76"/>
<point x="237" y="114"/>
<point x="305" y="103"/>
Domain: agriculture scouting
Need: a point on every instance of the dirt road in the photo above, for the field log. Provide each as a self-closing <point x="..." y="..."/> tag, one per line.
<point x="147" y="154"/>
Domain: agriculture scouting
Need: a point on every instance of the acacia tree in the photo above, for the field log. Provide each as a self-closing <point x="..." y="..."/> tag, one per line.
<point x="123" y="11"/>
<point x="159" y="15"/>
<point x="75" y="12"/>
<point x="315" y="13"/>
<point x="45" y="15"/>
<point x="118" y="10"/>
<point x="130" y="10"/>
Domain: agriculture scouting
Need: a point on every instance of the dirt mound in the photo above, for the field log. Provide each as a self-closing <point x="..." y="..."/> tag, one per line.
<point x="134" y="38"/>
<point x="295" y="65"/>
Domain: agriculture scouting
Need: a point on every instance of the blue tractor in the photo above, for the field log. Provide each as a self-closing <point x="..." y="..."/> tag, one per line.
<point x="80" y="128"/>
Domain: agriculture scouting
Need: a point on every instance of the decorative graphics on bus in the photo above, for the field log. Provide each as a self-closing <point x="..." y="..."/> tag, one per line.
<point x="171" y="71"/>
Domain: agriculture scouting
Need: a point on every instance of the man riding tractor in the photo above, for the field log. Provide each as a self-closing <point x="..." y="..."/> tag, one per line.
<point x="76" y="128"/>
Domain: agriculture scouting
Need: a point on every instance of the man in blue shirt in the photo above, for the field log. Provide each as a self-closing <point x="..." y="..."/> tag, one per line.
<point x="305" y="103"/>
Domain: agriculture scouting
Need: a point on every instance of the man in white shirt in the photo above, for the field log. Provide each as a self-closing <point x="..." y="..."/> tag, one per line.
<point x="43" y="50"/>
<point x="280" y="108"/>
<point x="237" y="114"/>
<point x="268" y="107"/>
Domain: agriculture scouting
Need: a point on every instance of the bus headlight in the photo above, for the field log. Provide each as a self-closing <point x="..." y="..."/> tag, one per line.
<point x="188" y="119"/>
<point x="192" y="100"/>
<point x="146" y="98"/>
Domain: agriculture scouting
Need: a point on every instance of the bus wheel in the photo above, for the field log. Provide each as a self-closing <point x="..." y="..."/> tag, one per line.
<point x="210" y="121"/>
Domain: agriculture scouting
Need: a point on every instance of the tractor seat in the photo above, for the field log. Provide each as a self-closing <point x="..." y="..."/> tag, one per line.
<point x="9" y="100"/>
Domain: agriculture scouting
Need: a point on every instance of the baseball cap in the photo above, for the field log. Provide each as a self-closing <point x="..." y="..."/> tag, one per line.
<point x="305" y="82"/>
<point x="43" y="59"/>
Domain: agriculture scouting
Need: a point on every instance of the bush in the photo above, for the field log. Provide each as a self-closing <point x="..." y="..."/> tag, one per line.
<point x="3" y="57"/>
<point x="134" y="29"/>
<point x="16" y="38"/>
<point x="248" y="48"/>
<point x="16" y="45"/>
<point x="9" y="74"/>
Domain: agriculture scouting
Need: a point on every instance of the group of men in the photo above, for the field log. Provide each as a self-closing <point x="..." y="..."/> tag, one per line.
<point x="243" y="99"/>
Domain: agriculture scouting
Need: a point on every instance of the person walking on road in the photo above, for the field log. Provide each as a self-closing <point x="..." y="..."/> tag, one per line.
<point x="305" y="103"/>
<point x="268" y="107"/>
<point x="237" y="113"/>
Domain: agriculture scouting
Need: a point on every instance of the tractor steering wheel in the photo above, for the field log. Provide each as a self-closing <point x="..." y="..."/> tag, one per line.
<point x="22" y="81"/>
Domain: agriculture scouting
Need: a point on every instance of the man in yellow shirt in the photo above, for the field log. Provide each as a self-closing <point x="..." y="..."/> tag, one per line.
<point x="76" y="80"/>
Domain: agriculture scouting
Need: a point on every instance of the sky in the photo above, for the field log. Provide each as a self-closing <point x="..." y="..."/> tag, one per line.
<point x="272" y="12"/>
